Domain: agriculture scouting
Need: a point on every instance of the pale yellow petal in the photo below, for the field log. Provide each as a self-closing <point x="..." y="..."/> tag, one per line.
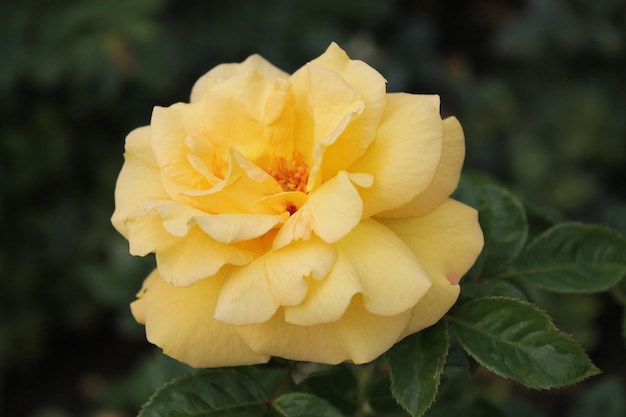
<point x="179" y="320"/>
<point x="240" y="192"/>
<point x="358" y="336"/>
<point x="252" y="114"/>
<point x="225" y="71"/>
<point x="328" y="298"/>
<point x="146" y="233"/>
<point x="404" y="157"/>
<point x="173" y="129"/>
<point x="391" y="276"/>
<point x="252" y="293"/>
<point x="333" y="104"/>
<point x="246" y="296"/>
<point x="177" y="218"/>
<point x="433" y="306"/>
<point x="138" y="180"/>
<point x="229" y="228"/>
<point x="447" y="242"/>
<point x="331" y="212"/>
<point x="446" y="178"/>
<point x="361" y="131"/>
<point x="197" y="256"/>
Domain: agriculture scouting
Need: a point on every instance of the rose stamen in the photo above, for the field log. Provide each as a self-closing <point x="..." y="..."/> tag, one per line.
<point x="292" y="175"/>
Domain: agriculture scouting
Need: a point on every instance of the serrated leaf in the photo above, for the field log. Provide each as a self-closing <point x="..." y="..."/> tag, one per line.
<point x="297" y="404"/>
<point x="503" y="219"/>
<point x="415" y="367"/>
<point x="573" y="258"/>
<point x="515" y="339"/>
<point x="208" y="393"/>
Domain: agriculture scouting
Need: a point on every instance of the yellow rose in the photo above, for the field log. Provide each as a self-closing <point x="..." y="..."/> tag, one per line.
<point x="304" y="216"/>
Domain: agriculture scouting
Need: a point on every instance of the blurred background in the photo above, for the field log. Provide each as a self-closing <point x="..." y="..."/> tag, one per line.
<point x="539" y="86"/>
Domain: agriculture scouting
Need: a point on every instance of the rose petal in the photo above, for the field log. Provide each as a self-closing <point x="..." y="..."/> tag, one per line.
<point x="328" y="298"/>
<point x="358" y="336"/>
<point x="197" y="256"/>
<point x="251" y="294"/>
<point x="331" y="104"/>
<point x="446" y="178"/>
<point x="171" y="129"/>
<point x="146" y="233"/>
<point x="392" y="278"/>
<point x="225" y="71"/>
<point x="447" y="242"/>
<point x="252" y="114"/>
<point x="361" y="131"/>
<point x="331" y="212"/>
<point x="138" y="180"/>
<point x="179" y="321"/>
<point x="404" y="157"/>
<point x="229" y="228"/>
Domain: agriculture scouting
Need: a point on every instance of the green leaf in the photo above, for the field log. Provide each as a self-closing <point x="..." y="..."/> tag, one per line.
<point x="515" y="339"/>
<point x="503" y="220"/>
<point x="208" y="393"/>
<point x="297" y="404"/>
<point x="415" y="367"/>
<point x="488" y="288"/>
<point x="574" y="258"/>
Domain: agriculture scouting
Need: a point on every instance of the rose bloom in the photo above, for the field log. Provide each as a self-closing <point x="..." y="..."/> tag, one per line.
<point x="305" y="216"/>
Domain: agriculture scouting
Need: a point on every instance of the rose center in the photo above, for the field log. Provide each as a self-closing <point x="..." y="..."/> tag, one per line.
<point x="291" y="175"/>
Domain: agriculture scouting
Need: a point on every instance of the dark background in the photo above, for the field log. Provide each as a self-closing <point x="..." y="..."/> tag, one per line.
<point x="539" y="86"/>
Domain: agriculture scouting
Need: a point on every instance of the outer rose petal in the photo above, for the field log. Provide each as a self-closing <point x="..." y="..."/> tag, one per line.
<point x="253" y="293"/>
<point x="328" y="298"/>
<point x="197" y="256"/>
<point x="404" y="157"/>
<point x="179" y="321"/>
<point x="139" y="178"/>
<point x="373" y="261"/>
<point x="446" y="178"/>
<point x="392" y="278"/>
<point x="358" y="336"/>
<point x="146" y="233"/>
<point x="224" y="71"/>
<point x="447" y="241"/>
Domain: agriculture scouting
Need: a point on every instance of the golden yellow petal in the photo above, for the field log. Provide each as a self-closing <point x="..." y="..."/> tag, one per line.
<point x="330" y="212"/>
<point x="327" y="298"/>
<point x="447" y="242"/>
<point x="404" y="157"/>
<point x="197" y="256"/>
<point x="446" y="178"/>
<point x="173" y="130"/>
<point x="138" y="180"/>
<point x="225" y="71"/>
<point x="358" y="336"/>
<point x="244" y="186"/>
<point x="229" y="228"/>
<point x="391" y="276"/>
<point x="146" y="233"/>
<point x="252" y="293"/>
<point x="179" y="320"/>
<point x="361" y="131"/>
<point x="252" y="114"/>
